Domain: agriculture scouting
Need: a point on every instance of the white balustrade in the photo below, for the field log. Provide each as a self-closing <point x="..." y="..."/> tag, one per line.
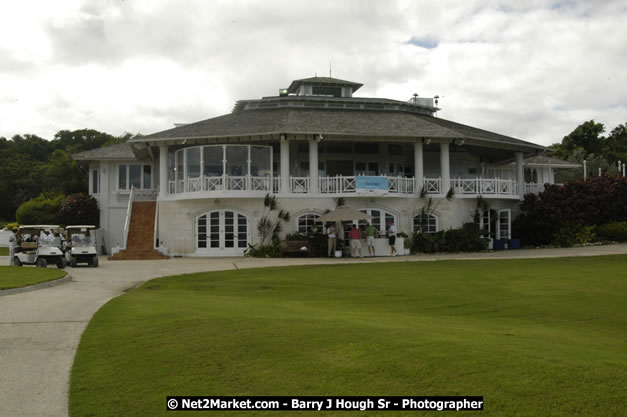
<point x="299" y="184"/>
<point x="348" y="185"/>
<point x="432" y="185"/>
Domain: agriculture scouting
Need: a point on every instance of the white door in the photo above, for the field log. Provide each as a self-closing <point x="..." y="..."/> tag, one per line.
<point x="222" y="233"/>
<point x="504" y="225"/>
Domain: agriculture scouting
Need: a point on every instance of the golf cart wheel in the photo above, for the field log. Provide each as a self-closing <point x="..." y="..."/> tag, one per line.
<point x="73" y="261"/>
<point x="94" y="261"/>
<point x="16" y="261"/>
<point x="62" y="263"/>
<point x="42" y="262"/>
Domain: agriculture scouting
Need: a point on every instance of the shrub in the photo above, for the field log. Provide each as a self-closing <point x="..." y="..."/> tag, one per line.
<point x="427" y="242"/>
<point x="613" y="232"/>
<point x="589" y="202"/>
<point x="270" y="250"/>
<point x="465" y="239"/>
<point x="573" y="235"/>
<point x="41" y="210"/>
<point x="80" y="208"/>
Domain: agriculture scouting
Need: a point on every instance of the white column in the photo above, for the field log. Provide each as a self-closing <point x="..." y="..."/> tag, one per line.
<point x="313" y="165"/>
<point x="445" y="170"/>
<point x="520" y="174"/>
<point x="419" y="171"/>
<point x="285" y="165"/>
<point x="103" y="201"/>
<point x="163" y="170"/>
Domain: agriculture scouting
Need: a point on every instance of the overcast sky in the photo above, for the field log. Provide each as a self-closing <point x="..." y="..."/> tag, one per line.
<point x="530" y="69"/>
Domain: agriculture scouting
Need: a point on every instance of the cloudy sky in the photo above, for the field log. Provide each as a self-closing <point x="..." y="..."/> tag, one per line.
<point x="530" y="69"/>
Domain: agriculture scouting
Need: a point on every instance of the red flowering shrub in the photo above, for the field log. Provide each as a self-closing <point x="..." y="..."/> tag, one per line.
<point x="591" y="202"/>
<point x="80" y="208"/>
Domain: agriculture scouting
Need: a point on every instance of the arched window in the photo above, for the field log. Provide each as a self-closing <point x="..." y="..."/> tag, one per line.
<point x="380" y="219"/>
<point x="430" y="225"/>
<point x="306" y="222"/>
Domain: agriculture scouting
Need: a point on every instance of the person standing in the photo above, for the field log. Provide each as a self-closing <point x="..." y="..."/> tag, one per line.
<point x="355" y="236"/>
<point x="332" y="239"/>
<point x="392" y="238"/>
<point x="371" y="231"/>
<point x="12" y="245"/>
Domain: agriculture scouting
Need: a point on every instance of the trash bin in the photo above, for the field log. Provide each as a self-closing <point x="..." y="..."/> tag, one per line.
<point x="499" y="244"/>
<point x="514" y="244"/>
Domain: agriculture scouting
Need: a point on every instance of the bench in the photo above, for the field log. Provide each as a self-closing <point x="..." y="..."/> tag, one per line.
<point x="293" y="246"/>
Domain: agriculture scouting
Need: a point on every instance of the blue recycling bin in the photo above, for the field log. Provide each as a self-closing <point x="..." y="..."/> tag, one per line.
<point x="514" y="244"/>
<point x="499" y="244"/>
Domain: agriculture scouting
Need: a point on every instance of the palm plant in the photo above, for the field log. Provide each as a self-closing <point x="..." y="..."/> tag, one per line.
<point x="267" y="226"/>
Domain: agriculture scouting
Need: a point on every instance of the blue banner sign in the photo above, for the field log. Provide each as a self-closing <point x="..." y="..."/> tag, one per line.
<point x="371" y="183"/>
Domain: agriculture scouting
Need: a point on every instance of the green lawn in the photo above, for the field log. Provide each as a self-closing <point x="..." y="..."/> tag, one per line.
<point x="534" y="337"/>
<point x="16" y="276"/>
<point x="4" y="251"/>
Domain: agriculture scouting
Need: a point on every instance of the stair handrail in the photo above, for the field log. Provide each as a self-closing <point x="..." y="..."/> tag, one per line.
<point x="129" y="210"/>
<point x="155" y="232"/>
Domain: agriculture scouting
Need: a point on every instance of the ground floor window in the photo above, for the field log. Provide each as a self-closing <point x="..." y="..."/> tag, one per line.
<point x="430" y="225"/>
<point x="222" y="229"/>
<point x="306" y="222"/>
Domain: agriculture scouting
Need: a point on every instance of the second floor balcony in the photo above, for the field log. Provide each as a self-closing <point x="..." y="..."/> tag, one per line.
<point x="253" y="186"/>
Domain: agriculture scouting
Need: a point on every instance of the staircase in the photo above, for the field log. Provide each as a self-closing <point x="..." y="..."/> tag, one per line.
<point x="140" y="242"/>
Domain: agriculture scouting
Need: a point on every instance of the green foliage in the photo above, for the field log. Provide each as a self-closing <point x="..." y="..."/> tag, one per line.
<point x="613" y="232"/>
<point x="270" y="250"/>
<point x="587" y="136"/>
<point x="592" y="202"/>
<point x="63" y="175"/>
<point x="574" y="235"/>
<point x="41" y="210"/>
<point x="30" y="165"/>
<point x="80" y="208"/>
<point x="269" y="226"/>
<point x="465" y="239"/>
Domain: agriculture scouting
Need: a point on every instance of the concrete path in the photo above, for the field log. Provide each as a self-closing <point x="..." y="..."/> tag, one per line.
<point x="40" y="330"/>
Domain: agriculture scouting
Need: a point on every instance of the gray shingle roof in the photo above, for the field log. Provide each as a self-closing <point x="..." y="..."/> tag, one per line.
<point x="542" y="160"/>
<point x="355" y="123"/>
<point x="323" y="80"/>
<point x="117" y="152"/>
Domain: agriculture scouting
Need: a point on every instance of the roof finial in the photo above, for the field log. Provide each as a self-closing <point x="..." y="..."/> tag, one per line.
<point x="330" y="70"/>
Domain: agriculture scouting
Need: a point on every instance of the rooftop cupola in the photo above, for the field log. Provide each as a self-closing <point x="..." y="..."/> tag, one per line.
<point x="323" y="86"/>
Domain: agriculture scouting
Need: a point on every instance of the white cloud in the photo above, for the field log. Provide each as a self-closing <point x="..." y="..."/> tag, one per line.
<point x="533" y="70"/>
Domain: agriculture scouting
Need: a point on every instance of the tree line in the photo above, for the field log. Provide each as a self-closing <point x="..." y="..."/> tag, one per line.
<point x="31" y="166"/>
<point x="588" y="142"/>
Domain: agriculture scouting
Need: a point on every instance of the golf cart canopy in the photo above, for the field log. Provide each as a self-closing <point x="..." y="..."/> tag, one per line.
<point x="80" y="228"/>
<point x="39" y="227"/>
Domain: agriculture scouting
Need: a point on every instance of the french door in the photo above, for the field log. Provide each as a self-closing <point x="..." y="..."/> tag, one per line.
<point x="222" y="232"/>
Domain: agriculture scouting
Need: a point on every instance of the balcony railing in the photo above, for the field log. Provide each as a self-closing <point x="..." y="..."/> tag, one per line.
<point x="481" y="186"/>
<point x="350" y="185"/>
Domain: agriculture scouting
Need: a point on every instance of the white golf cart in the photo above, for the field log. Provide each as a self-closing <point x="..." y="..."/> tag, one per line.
<point x="40" y="245"/>
<point x="81" y="246"/>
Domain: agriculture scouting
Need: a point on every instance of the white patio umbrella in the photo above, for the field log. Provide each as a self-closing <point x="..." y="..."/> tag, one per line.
<point x="343" y="213"/>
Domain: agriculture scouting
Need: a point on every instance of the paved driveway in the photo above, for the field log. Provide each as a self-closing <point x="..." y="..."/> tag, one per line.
<point x="40" y="330"/>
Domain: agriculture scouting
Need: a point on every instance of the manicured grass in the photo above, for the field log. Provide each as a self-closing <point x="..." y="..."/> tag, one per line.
<point x="16" y="277"/>
<point x="534" y="337"/>
<point x="4" y="251"/>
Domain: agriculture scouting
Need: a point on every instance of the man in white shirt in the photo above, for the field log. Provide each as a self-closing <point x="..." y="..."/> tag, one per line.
<point x="12" y="245"/>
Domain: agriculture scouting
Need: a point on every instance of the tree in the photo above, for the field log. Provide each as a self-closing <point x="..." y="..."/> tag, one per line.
<point x="80" y="209"/>
<point x="63" y="174"/>
<point x="617" y="144"/>
<point x="586" y="136"/>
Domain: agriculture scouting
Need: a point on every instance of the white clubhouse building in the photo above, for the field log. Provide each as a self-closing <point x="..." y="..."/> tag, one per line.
<point x="384" y="157"/>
